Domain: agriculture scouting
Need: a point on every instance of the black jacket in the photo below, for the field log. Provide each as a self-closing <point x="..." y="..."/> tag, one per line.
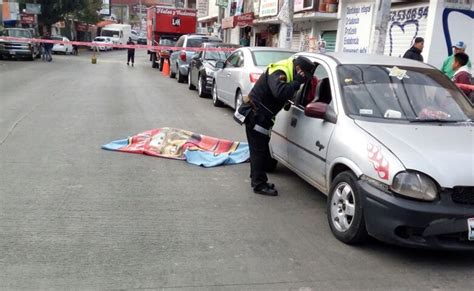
<point x="414" y="54"/>
<point x="271" y="92"/>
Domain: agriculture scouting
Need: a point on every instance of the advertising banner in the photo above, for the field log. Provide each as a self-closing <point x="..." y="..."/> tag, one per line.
<point x="358" y="18"/>
<point x="106" y="8"/>
<point x="268" y="8"/>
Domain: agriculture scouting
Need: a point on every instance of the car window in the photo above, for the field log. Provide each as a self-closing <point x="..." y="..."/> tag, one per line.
<point x="318" y="89"/>
<point x="403" y="93"/>
<point x="57" y="38"/>
<point x="233" y="60"/>
<point x="17" y="33"/>
<point x="180" y="41"/>
<point x="265" y="58"/>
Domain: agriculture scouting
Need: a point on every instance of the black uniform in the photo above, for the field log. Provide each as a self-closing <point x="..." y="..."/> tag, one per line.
<point x="268" y="97"/>
<point x="131" y="53"/>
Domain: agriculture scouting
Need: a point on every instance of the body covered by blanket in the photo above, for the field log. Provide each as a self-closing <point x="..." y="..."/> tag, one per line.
<point x="181" y="144"/>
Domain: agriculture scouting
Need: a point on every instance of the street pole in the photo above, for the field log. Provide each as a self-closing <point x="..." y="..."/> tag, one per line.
<point x="140" y="15"/>
<point x="381" y="25"/>
<point x="287" y="24"/>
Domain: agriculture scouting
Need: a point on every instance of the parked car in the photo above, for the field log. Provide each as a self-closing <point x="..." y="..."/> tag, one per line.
<point x="180" y="59"/>
<point x="203" y="66"/>
<point x="141" y="40"/>
<point x="24" y="48"/>
<point x="62" y="48"/>
<point x="390" y="141"/>
<point x="158" y="58"/>
<point x="100" y="41"/>
<point x="237" y="75"/>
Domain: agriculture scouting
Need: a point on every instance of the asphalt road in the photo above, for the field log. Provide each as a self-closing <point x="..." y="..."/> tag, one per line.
<point x="74" y="216"/>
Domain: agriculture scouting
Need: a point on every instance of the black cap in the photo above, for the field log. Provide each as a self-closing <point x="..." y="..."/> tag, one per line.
<point x="305" y="64"/>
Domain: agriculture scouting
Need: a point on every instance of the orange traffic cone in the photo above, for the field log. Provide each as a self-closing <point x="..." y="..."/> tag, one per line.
<point x="166" y="68"/>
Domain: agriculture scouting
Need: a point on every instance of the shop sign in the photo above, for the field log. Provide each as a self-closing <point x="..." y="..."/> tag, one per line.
<point x="202" y="8"/>
<point x="358" y="18"/>
<point x="10" y="11"/>
<point x="228" y="22"/>
<point x="268" y="8"/>
<point x="243" y="20"/>
<point x="26" y="18"/>
<point x="256" y="7"/>
<point x="222" y="3"/>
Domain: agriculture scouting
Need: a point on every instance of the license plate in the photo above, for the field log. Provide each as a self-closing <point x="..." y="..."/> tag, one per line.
<point x="12" y="53"/>
<point x="470" y="228"/>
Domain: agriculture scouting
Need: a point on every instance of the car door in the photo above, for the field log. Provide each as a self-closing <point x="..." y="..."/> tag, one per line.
<point x="223" y="78"/>
<point x="309" y="137"/>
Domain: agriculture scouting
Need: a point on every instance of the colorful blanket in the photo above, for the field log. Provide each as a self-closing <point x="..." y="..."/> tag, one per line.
<point x="181" y="144"/>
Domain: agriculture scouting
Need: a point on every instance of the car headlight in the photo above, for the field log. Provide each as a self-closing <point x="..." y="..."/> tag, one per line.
<point x="415" y="185"/>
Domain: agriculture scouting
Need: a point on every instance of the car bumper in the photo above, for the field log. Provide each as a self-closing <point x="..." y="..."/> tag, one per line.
<point x="440" y="224"/>
<point x="15" y="52"/>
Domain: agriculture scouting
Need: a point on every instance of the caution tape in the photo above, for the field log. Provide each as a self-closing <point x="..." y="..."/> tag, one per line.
<point x="120" y="46"/>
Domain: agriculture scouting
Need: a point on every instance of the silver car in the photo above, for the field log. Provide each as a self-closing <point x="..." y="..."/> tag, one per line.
<point x="241" y="70"/>
<point x="391" y="142"/>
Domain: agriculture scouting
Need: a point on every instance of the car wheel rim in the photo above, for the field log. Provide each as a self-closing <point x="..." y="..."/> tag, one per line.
<point x="342" y="207"/>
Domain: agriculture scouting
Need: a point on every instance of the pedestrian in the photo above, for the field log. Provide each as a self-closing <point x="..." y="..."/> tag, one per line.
<point x="48" y="47"/>
<point x="414" y="52"/>
<point x="447" y="68"/>
<point x="273" y="89"/>
<point x="462" y="74"/>
<point x="130" y="52"/>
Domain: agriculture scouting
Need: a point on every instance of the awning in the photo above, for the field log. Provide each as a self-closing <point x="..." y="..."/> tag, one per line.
<point x="105" y="22"/>
<point x="207" y="19"/>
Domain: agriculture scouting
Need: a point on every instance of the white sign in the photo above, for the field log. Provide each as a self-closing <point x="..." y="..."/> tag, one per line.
<point x="458" y="4"/>
<point x="202" y="8"/>
<point x="105" y="10"/>
<point x="256" y="7"/>
<point x="268" y="8"/>
<point x="357" y="26"/>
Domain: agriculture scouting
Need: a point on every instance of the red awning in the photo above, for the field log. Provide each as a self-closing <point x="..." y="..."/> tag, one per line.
<point x="105" y="22"/>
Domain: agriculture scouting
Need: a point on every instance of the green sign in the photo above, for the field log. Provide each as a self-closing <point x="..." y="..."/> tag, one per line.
<point x="222" y="3"/>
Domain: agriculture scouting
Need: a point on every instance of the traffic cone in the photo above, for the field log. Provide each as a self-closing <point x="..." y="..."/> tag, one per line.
<point x="166" y="68"/>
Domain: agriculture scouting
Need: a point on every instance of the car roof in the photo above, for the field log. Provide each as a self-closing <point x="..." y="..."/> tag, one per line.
<point x="220" y="44"/>
<point x="266" y="48"/>
<point x="360" y="59"/>
<point x="202" y="36"/>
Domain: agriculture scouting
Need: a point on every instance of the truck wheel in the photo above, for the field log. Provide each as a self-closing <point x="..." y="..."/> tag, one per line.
<point x="154" y="65"/>
<point x="344" y="209"/>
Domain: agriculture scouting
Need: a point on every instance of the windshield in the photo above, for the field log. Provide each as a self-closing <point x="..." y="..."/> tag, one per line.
<point x="265" y="58"/>
<point x="110" y="33"/>
<point x="99" y="39"/>
<point x="403" y="93"/>
<point x="57" y="38"/>
<point x="16" y="33"/>
<point x="167" y="42"/>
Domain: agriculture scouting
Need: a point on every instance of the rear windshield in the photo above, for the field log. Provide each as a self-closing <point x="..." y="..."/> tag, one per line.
<point x="167" y="42"/>
<point x="265" y="58"/>
<point x="197" y="42"/>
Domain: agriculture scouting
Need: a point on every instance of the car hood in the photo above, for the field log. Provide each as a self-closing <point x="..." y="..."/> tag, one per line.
<point x="444" y="152"/>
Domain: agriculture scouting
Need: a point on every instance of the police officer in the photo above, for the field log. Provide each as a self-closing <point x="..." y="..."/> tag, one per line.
<point x="273" y="89"/>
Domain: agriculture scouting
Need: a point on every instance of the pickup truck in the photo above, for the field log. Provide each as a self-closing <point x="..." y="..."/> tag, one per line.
<point x="19" y="48"/>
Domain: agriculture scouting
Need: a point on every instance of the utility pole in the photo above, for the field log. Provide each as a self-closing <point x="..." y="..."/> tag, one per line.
<point x="140" y="15"/>
<point x="381" y="25"/>
<point x="286" y="30"/>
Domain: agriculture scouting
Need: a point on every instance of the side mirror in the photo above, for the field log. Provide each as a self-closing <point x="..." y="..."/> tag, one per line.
<point x="220" y="64"/>
<point x="320" y="110"/>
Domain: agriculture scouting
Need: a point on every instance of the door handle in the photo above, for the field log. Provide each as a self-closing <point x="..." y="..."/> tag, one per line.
<point x="294" y="121"/>
<point x="319" y="145"/>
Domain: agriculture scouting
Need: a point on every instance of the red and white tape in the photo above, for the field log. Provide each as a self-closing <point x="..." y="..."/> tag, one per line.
<point x="123" y="46"/>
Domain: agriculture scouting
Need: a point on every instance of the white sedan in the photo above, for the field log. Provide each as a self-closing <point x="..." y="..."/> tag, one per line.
<point x="241" y="70"/>
<point x="100" y="41"/>
<point x="64" y="48"/>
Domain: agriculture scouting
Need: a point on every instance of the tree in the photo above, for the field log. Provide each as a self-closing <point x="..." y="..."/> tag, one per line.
<point x="54" y="11"/>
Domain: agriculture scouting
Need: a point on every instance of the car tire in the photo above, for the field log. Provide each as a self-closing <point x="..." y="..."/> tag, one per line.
<point x="172" y="75"/>
<point x="344" y="209"/>
<point x="201" y="86"/>
<point x="180" y="78"/>
<point x="238" y="99"/>
<point x="215" y="99"/>
<point x="190" y="84"/>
